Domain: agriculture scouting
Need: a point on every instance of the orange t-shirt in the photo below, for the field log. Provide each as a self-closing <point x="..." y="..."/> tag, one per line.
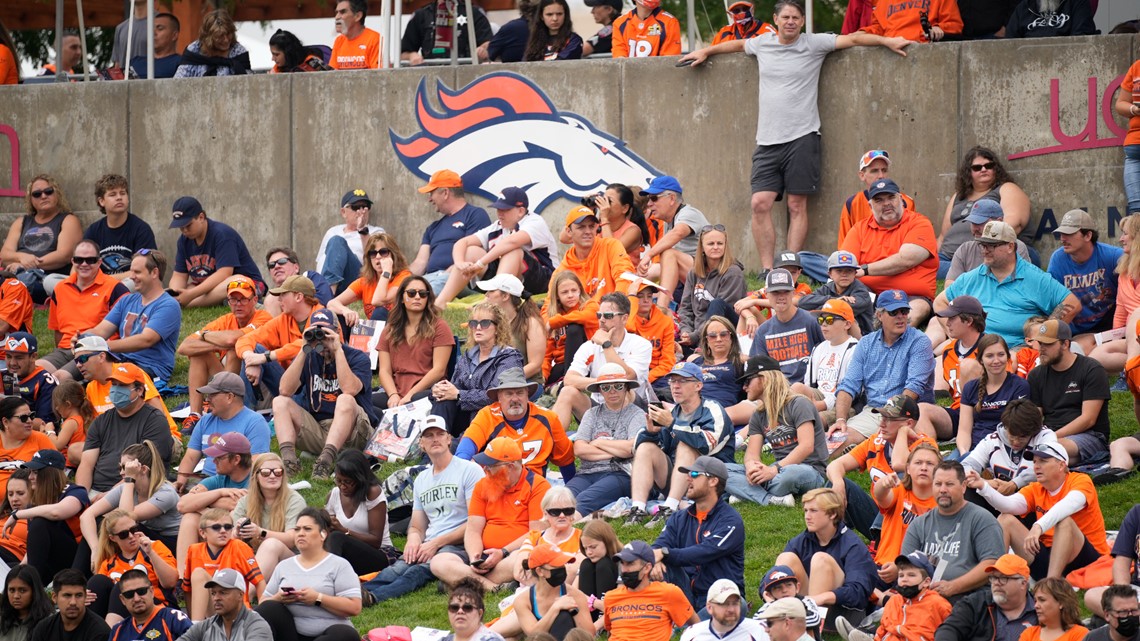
<point x="11" y="459"/>
<point x="858" y="208"/>
<point x="362" y="52"/>
<point x="366" y="290"/>
<point x="281" y="335"/>
<point x="1028" y="358"/>
<point x="16" y="307"/>
<point x="571" y="545"/>
<point x="115" y="566"/>
<point x="894" y="18"/>
<point x="509" y="517"/>
<point x="648" y="614"/>
<point x="228" y="323"/>
<point x="896" y="519"/>
<point x="542" y="439"/>
<point x="235" y="555"/>
<point x="1131" y="85"/>
<point x="951" y="360"/>
<point x="1089" y="518"/>
<point x="587" y="317"/>
<point x="16" y="541"/>
<point x="1075" y="633"/>
<point x="601" y="269"/>
<point x="661" y="332"/>
<point x="870" y="242"/>
<point x="659" y="34"/>
<point x="9" y="69"/>
<point x="100" y="396"/>
<point x="71" y="310"/>
<point x="79" y="436"/>
<point x="872" y="455"/>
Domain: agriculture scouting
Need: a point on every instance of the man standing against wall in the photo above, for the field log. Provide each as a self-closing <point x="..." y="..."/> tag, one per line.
<point x="356" y="46"/>
<point x="787" y="156"/>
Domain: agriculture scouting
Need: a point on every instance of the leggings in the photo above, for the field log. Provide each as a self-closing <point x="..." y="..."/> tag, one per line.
<point x="364" y="558"/>
<point x="51" y="547"/>
<point x="575" y="338"/>
<point x="281" y="623"/>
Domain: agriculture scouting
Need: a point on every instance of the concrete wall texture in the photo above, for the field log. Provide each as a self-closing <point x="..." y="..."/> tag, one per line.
<point x="271" y="155"/>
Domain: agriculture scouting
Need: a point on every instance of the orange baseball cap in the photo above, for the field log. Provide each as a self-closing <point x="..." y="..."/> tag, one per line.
<point x="128" y="373"/>
<point x="499" y="450"/>
<point x="578" y="214"/>
<point x="442" y="178"/>
<point x="241" y="284"/>
<point x="1009" y="565"/>
<point x="838" y="307"/>
<point x="546" y="554"/>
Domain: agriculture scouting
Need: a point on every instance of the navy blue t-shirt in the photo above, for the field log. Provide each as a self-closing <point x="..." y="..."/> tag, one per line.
<point x="222" y="247"/>
<point x="163" y="67"/>
<point x="509" y="44"/>
<point x="441" y="235"/>
<point x="320" y="387"/>
<point x="117" y="246"/>
<point x="987" y="420"/>
<point x="720" y="382"/>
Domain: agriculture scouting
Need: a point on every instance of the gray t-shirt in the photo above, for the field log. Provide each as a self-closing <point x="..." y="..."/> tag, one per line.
<point x="332" y="576"/>
<point x="789" y="84"/>
<point x="444" y="496"/>
<point x="955" y="544"/>
<point x="111" y="434"/>
<point x="138" y="42"/>
<point x="789" y="343"/>
<point x="600" y="422"/>
<point x="784" y="438"/>
<point x="165" y="498"/>
<point x="696" y="221"/>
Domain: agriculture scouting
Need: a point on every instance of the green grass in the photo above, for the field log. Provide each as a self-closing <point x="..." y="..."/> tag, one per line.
<point x="769" y="527"/>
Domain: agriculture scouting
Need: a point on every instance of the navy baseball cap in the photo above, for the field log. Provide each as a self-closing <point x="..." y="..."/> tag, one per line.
<point x="46" y="458"/>
<point x="512" y="197"/>
<point x="884" y="186"/>
<point x="660" y="184"/>
<point x="323" y="318"/>
<point x="635" y="550"/>
<point x="184" y="210"/>
<point x="776" y="575"/>
<point x="984" y="211"/>
<point x="916" y="559"/>
<point x="355" y="196"/>
<point x="892" y="299"/>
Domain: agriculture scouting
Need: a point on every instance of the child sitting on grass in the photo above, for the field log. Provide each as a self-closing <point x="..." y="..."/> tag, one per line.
<point x="219" y="549"/>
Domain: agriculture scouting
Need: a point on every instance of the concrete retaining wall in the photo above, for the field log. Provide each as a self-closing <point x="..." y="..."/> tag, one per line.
<point x="271" y="155"/>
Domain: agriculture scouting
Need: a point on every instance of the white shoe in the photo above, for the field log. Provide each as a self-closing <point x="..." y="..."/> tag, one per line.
<point x="843" y="627"/>
<point x="787" y="500"/>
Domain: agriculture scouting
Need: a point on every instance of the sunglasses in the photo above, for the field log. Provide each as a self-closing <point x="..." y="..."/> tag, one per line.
<point x="130" y="594"/>
<point x="708" y="228"/>
<point x="126" y="534"/>
<point x="221" y="527"/>
<point x="612" y="387"/>
<point x="455" y="608"/>
<point x="268" y="472"/>
<point x="716" y="335"/>
<point x="236" y="284"/>
<point x="359" y="206"/>
<point x="899" y="312"/>
<point x="483" y="323"/>
<point x="416" y="293"/>
<point x="872" y="156"/>
<point x="561" y="511"/>
<point x="693" y="474"/>
<point x="277" y="263"/>
<point x="81" y="260"/>
<point x="653" y="198"/>
<point x="24" y="418"/>
<point x="827" y="319"/>
<point x="984" y="166"/>
<point x="608" y="315"/>
<point x="83" y="358"/>
<point x="383" y="252"/>
<point x="40" y="193"/>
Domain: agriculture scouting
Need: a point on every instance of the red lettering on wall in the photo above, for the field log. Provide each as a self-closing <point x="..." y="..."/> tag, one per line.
<point x="13" y="188"/>
<point x="1087" y="138"/>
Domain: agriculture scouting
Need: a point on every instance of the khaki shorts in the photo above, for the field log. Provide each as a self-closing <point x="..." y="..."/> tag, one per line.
<point x="865" y="423"/>
<point x="311" y="433"/>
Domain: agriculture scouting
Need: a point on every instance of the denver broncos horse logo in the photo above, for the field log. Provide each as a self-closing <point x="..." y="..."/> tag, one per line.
<point x="502" y="130"/>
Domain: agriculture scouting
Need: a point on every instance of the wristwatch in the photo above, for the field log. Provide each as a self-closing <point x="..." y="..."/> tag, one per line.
<point x="505" y="552"/>
<point x="387" y="275"/>
<point x="607" y="344"/>
<point x="866" y="269"/>
<point x="318" y="601"/>
<point x="203" y="334"/>
<point x="664" y="553"/>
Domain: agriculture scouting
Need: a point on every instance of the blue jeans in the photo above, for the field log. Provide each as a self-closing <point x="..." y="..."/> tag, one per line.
<point x="1132" y="177"/>
<point x="399" y="579"/>
<point x="271" y="373"/>
<point x="596" y="490"/>
<point x="341" y="265"/>
<point x="437" y="280"/>
<point x="791" y="479"/>
<point x="815" y="266"/>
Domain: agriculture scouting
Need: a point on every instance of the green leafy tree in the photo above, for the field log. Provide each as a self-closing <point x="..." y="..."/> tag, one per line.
<point x="37" y="47"/>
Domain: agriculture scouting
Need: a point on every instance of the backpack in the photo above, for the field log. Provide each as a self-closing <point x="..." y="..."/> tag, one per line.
<point x="399" y="488"/>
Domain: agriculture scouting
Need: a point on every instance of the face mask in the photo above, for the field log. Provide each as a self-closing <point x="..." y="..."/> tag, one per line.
<point x="909" y="591"/>
<point x="649" y="4"/>
<point x="631" y="579"/>
<point x="557" y="577"/>
<point x="744" y="18"/>
<point x="1128" y="626"/>
<point x="120" y="396"/>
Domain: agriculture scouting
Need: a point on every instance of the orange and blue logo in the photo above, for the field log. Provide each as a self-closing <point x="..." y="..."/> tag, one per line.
<point x="502" y="131"/>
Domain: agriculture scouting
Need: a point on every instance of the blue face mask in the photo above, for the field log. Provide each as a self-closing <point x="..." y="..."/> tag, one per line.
<point x="120" y="396"/>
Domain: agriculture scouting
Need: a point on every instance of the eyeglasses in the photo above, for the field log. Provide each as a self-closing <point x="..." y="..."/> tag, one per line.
<point x="359" y="206"/>
<point x="997" y="579"/>
<point x="872" y="156"/>
<point x="608" y="315"/>
<point x="40" y="193"/>
<point x="611" y="387"/>
<point x="561" y="511"/>
<point x="83" y="358"/>
<point x="130" y="594"/>
<point x="653" y="197"/>
<point x="983" y="167"/>
<point x="455" y="608"/>
<point x="825" y="319"/>
<point x="693" y="474"/>
<point x="718" y="227"/>
<point x="221" y="527"/>
<point x="267" y="472"/>
<point x="481" y="323"/>
<point x="416" y="293"/>
<point x="1125" y="613"/>
<point x="24" y="418"/>
<point x="235" y="300"/>
<point x="382" y="252"/>
<point x="902" y="311"/>
<point x="278" y="263"/>
<point x="126" y="534"/>
<point x="717" y="335"/>
<point x="81" y="260"/>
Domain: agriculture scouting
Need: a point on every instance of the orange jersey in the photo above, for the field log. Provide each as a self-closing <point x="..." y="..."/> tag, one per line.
<point x="509" y="517"/>
<point x="235" y="555"/>
<point x="870" y="242"/>
<point x="16" y="307"/>
<point x="281" y="335"/>
<point x="1089" y="518"/>
<point x="362" y="52"/>
<point x="896" y="519"/>
<point x="543" y="440"/>
<point x="72" y="310"/>
<point x="9" y="68"/>
<point x="900" y="18"/>
<point x="858" y="208"/>
<point x="587" y="317"/>
<point x="659" y="34"/>
<point x="14" y="458"/>
<point x="649" y="614"/>
<point x="114" y="567"/>
<point x="228" y="323"/>
<point x="661" y="332"/>
<point x="1130" y="88"/>
<point x="1027" y="359"/>
<point x="601" y="269"/>
<point x="733" y="32"/>
<point x="873" y="457"/>
<point x="366" y="290"/>
<point x="951" y="361"/>
<point x="100" y="396"/>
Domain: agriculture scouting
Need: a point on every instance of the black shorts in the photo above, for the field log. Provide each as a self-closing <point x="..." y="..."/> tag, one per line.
<point x="1039" y="569"/>
<point x="793" y="167"/>
<point x="535" y="277"/>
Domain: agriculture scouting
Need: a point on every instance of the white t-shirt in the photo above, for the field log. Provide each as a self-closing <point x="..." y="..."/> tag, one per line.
<point x="634" y="350"/>
<point x="541" y="238"/>
<point x="827" y="367"/>
<point x="443" y="497"/>
<point x="746" y="630"/>
<point x="354" y="239"/>
<point x="358" y="522"/>
<point x="789" y="84"/>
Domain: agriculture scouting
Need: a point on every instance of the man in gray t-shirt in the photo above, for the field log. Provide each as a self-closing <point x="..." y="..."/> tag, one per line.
<point x="960" y="538"/>
<point x="439" y="516"/>
<point x="678" y="247"/>
<point x="787" y="156"/>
